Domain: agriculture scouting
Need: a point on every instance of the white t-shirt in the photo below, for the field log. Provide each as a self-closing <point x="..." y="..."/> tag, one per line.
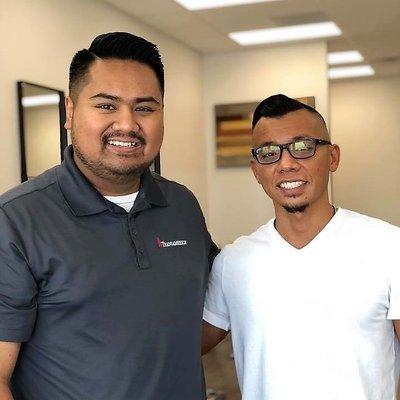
<point x="314" y="323"/>
<point x="126" y="201"/>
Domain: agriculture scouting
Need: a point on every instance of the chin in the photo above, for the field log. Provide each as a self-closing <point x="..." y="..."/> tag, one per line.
<point x="127" y="170"/>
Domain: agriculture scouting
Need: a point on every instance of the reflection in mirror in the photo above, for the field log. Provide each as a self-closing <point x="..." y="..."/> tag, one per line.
<point x="42" y="133"/>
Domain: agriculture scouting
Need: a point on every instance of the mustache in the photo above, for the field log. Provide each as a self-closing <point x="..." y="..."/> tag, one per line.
<point x="123" y="135"/>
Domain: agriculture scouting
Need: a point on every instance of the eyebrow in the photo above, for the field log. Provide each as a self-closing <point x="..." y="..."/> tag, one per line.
<point x="148" y="99"/>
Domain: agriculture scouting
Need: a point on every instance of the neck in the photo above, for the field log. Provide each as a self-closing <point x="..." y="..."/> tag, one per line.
<point x="299" y="229"/>
<point x="109" y="186"/>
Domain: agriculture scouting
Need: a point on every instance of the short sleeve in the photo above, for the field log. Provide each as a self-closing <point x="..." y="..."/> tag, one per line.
<point x="394" y="288"/>
<point x="215" y="309"/>
<point x="18" y="289"/>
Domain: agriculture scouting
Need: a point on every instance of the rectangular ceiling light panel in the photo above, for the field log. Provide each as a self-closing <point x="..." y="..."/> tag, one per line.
<point x="344" y="57"/>
<point x="286" y="33"/>
<point x="350" y="72"/>
<point x="206" y="4"/>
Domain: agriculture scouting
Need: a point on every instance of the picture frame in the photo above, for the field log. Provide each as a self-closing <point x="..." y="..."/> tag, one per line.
<point x="233" y="132"/>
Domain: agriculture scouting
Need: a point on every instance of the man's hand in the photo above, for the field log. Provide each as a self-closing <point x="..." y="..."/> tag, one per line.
<point x="211" y="337"/>
<point x="8" y="357"/>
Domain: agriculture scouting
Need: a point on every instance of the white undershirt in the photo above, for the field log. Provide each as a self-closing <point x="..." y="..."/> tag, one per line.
<point x="126" y="201"/>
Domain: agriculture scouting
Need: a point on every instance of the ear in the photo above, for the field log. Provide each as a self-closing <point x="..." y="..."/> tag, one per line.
<point x="254" y="168"/>
<point x="69" y="112"/>
<point x="334" y="158"/>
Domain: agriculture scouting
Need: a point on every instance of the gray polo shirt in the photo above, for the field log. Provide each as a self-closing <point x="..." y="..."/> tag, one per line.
<point x="108" y="304"/>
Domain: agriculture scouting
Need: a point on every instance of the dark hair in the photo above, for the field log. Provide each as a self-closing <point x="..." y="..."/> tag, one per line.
<point x="119" y="45"/>
<point x="279" y="105"/>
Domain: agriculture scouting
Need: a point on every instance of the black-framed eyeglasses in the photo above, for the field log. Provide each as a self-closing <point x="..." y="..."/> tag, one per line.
<point x="299" y="148"/>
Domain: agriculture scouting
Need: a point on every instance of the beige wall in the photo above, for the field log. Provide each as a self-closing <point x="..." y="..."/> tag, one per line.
<point x="237" y="204"/>
<point x="39" y="40"/>
<point x="365" y="122"/>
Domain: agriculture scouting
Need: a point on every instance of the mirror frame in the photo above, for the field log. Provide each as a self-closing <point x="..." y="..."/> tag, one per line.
<point x="63" y="131"/>
<point x="156" y="165"/>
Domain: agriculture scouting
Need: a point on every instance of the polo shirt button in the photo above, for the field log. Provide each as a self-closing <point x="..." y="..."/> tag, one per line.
<point x="134" y="233"/>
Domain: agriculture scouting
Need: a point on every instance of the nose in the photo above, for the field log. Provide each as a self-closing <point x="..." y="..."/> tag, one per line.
<point x="287" y="162"/>
<point x="126" y="121"/>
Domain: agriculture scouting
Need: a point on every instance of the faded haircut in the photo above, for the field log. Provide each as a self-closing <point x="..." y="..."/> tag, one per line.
<point x="278" y="105"/>
<point x="114" y="45"/>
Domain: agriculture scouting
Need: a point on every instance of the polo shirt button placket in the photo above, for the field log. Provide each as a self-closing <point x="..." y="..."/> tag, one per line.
<point x="142" y="260"/>
<point x="143" y="263"/>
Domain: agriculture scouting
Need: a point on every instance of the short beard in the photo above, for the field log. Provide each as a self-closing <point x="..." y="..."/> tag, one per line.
<point x="295" y="209"/>
<point x="107" y="172"/>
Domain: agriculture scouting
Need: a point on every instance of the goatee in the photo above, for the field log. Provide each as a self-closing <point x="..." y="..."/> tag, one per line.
<point x="113" y="173"/>
<point x="295" y="209"/>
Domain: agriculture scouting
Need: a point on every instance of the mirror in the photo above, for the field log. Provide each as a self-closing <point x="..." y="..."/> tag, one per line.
<point x="43" y="137"/>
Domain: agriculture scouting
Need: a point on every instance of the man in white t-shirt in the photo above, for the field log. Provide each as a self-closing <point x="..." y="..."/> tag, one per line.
<point x="313" y="297"/>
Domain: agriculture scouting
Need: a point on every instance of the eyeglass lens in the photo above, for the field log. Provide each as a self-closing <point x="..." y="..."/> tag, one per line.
<point x="303" y="148"/>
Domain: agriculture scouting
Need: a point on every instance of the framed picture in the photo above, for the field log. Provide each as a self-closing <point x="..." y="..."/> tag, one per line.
<point x="233" y="132"/>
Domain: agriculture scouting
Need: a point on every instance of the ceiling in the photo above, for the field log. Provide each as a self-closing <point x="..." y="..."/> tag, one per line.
<point x="371" y="27"/>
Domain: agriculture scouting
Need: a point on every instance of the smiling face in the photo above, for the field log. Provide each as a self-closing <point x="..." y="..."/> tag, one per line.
<point x="116" y="120"/>
<point x="295" y="184"/>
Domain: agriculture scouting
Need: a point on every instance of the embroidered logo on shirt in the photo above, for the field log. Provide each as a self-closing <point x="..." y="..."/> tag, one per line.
<point x="161" y="243"/>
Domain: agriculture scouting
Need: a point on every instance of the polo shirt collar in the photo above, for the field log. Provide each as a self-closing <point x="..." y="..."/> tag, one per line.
<point x="150" y="191"/>
<point x="84" y="199"/>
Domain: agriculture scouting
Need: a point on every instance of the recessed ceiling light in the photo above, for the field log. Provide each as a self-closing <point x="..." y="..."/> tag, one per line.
<point x="286" y="33"/>
<point x="344" y="57"/>
<point x="350" y="72"/>
<point x="40" y="100"/>
<point x="204" y="4"/>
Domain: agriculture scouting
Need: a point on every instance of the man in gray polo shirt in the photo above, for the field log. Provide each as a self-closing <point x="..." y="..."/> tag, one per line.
<point x="103" y="265"/>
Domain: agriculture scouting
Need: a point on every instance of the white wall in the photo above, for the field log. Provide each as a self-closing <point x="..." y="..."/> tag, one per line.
<point x="39" y="38"/>
<point x="237" y="204"/>
<point x="365" y="122"/>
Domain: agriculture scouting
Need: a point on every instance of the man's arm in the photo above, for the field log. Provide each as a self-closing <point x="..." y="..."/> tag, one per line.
<point x="8" y="357"/>
<point x="211" y="337"/>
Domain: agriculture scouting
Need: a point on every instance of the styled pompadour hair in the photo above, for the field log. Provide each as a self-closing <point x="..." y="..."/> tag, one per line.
<point x="279" y="105"/>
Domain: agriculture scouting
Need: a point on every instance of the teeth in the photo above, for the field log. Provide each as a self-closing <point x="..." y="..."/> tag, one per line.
<point x="122" y="144"/>
<point x="291" y="185"/>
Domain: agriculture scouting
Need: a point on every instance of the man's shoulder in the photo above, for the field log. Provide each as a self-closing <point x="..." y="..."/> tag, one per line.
<point x="367" y="225"/>
<point x="247" y="243"/>
<point x="171" y="188"/>
<point x="24" y="192"/>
